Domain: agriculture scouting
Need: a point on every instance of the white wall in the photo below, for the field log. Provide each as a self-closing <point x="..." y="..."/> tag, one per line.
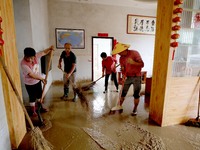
<point x="4" y="133"/>
<point x="97" y="18"/>
<point x="32" y="29"/>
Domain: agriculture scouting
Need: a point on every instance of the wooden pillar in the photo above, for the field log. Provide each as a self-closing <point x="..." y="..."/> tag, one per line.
<point x="14" y="112"/>
<point x="173" y="99"/>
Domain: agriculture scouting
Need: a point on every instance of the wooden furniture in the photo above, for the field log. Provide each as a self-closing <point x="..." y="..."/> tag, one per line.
<point x="148" y="89"/>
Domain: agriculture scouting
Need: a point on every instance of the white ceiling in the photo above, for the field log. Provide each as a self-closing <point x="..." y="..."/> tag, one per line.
<point x="151" y="4"/>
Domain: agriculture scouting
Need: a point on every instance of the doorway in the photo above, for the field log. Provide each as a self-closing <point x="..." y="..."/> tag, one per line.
<point x="99" y="45"/>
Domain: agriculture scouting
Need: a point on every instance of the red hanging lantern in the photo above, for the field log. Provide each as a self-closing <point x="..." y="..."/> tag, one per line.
<point x="178" y="10"/>
<point x="175" y="36"/>
<point x="1" y="31"/>
<point x="178" y="2"/>
<point x="176" y="27"/>
<point x="176" y="19"/>
<point x="1" y="42"/>
<point x="174" y="44"/>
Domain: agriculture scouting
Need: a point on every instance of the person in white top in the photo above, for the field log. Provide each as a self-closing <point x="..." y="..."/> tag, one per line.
<point x="32" y="77"/>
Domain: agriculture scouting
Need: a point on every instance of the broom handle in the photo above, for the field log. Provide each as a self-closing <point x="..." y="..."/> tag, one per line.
<point x="199" y="101"/>
<point x="102" y="76"/>
<point x="73" y="85"/>
<point x="198" y="107"/>
<point x="16" y="92"/>
<point x="48" y="68"/>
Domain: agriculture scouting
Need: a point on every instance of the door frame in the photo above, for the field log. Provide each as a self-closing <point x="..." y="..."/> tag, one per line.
<point x="97" y="37"/>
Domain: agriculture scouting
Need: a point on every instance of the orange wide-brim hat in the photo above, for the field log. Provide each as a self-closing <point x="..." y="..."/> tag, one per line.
<point x="120" y="47"/>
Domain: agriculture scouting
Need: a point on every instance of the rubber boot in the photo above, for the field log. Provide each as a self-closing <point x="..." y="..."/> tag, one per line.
<point x="65" y="96"/>
<point x="66" y="91"/>
<point x="75" y="94"/>
<point x="43" y="108"/>
<point x="33" y="109"/>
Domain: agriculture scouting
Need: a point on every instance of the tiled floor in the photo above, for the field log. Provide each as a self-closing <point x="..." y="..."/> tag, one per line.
<point x="75" y="128"/>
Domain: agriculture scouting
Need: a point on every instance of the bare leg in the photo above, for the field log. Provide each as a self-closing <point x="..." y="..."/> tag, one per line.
<point x="136" y="102"/>
<point x="121" y="101"/>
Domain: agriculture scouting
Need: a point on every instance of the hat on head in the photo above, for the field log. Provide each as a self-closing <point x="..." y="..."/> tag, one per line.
<point x="120" y="47"/>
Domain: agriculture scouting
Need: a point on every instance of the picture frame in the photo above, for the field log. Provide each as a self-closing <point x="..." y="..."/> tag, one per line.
<point x="141" y="24"/>
<point x="74" y="36"/>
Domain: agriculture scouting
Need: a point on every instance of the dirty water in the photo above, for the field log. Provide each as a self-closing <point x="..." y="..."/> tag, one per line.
<point x="75" y="128"/>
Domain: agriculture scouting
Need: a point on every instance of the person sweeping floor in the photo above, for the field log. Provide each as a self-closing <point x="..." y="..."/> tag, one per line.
<point x="37" y="139"/>
<point x="33" y="79"/>
<point x="131" y="65"/>
<point x="69" y="72"/>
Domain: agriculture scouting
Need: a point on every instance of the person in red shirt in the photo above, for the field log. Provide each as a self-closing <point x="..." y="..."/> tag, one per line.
<point x="109" y="68"/>
<point x="131" y="65"/>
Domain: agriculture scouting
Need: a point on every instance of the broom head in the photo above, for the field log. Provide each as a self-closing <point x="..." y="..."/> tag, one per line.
<point x="38" y="141"/>
<point x="193" y="122"/>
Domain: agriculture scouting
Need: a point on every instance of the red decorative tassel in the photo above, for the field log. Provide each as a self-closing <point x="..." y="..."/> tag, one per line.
<point x="173" y="54"/>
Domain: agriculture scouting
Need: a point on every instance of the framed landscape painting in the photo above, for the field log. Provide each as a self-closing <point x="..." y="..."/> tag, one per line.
<point x="74" y="36"/>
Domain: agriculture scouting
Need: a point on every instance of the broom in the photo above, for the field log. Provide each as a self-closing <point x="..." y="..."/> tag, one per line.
<point x="84" y="101"/>
<point x="87" y="87"/>
<point x="195" y="121"/>
<point x="39" y="103"/>
<point x="38" y="141"/>
<point x="117" y="108"/>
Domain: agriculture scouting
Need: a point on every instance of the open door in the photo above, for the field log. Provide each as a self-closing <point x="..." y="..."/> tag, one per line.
<point x="99" y="45"/>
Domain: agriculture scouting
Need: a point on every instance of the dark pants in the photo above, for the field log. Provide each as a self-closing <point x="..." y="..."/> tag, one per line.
<point x="34" y="91"/>
<point x="114" y="77"/>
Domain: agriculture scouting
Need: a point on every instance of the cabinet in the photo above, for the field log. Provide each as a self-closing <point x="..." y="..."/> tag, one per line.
<point x="148" y="89"/>
<point x="187" y="55"/>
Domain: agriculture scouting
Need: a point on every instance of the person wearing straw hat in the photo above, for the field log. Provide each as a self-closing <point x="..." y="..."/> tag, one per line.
<point x="131" y="65"/>
<point x="109" y="68"/>
<point x="32" y="77"/>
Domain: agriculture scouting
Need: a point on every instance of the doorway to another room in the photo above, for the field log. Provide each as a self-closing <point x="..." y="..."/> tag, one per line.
<point x="99" y="45"/>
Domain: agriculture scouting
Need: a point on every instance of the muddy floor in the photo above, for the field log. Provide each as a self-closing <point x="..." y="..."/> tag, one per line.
<point x="70" y="126"/>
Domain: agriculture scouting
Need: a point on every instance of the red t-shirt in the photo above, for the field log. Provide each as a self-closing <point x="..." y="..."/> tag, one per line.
<point x="109" y="64"/>
<point x="131" y="69"/>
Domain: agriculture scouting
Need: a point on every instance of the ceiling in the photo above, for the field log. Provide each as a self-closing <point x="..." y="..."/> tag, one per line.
<point x="151" y="4"/>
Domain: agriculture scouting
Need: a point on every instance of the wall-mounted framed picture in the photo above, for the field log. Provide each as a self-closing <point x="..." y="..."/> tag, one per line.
<point x="74" y="36"/>
<point x="141" y="24"/>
